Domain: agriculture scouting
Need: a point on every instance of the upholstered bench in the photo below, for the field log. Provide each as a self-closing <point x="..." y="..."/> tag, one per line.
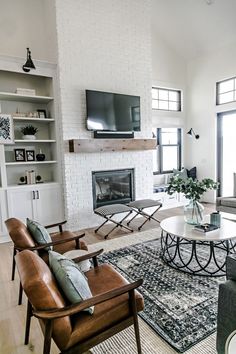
<point x="109" y="211"/>
<point x="139" y="205"/>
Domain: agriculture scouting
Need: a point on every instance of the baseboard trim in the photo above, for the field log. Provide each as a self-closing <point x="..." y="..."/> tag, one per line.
<point x="4" y="239"/>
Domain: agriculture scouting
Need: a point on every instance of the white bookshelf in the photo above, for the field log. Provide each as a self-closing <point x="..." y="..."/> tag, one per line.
<point x="33" y="120"/>
<point x="37" y="200"/>
<point x="30" y="163"/>
<point x="23" y="109"/>
<point x="10" y="96"/>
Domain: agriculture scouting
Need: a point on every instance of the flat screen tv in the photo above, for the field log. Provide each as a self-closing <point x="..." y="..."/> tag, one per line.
<point x="112" y="112"/>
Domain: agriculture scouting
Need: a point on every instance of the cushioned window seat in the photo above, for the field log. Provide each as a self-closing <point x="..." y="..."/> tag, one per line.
<point x="158" y="188"/>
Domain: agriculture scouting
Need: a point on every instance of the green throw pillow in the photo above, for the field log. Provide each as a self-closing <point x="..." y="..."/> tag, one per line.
<point x="71" y="280"/>
<point x="39" y="233"/>
<point x="181" y="174"/>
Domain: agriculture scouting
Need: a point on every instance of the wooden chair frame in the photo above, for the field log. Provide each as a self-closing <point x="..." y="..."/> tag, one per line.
<point x="50" y="315"/>
<point x="41" y="247"/>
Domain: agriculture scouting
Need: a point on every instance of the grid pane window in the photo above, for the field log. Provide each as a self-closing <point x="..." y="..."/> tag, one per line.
<point x="169" y="136"/>
<point x="168" y="153"/>
<point x="173" y="106"/>
<point x="226" y="97"/>
<point x="166" y="99"/>
<point x="163" y="105"/>
<point x="170" y="157"/>
<point x="163" y="95"/>
<point x="226" y="91"/>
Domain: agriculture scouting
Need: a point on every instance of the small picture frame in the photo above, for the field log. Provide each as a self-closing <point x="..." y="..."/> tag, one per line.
<point x="30" y="155"/>
<point x="19" y="155"/>
<point x="42" y="113"/>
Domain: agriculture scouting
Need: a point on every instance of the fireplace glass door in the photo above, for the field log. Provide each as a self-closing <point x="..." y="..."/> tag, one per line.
<point x="113" y="187"/>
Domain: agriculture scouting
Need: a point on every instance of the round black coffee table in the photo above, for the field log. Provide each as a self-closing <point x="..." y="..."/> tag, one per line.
<point x="193" y="252"/>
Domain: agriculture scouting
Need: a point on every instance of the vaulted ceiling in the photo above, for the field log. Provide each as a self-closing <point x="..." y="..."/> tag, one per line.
<point x="195" y="27"/>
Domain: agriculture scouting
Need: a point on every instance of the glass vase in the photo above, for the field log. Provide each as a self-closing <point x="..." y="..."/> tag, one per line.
<point x="193" y="212"/>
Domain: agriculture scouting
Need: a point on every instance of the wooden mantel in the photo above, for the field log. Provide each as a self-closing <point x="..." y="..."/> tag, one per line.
<point x="101" y="145"/>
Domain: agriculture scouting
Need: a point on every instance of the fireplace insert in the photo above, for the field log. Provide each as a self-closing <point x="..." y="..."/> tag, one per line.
<point x="112" y="187"/>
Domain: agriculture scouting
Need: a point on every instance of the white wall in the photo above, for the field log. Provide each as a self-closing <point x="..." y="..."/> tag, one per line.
<point x="103" y="45"/>
<point x="203" y="73"/>
<point x="28" y="23"/>
<point x="168" y="70"/>
<point x="167" y="66"/>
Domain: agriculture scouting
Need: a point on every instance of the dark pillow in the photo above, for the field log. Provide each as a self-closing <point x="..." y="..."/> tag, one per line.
<point x="192" y="173"/>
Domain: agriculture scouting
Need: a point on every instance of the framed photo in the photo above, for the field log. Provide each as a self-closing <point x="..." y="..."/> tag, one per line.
<point x="6" y="129"/>
<point x="19" y="155"/>
<point x="42" y="113"/>
<point x="30" y="155"/>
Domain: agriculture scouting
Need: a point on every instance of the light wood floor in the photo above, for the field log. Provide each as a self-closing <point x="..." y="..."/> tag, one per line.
<point x="12" y="316"/>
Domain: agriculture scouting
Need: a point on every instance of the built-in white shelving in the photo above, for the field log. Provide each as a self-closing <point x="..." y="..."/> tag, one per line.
<point x="32" y="119"/>
<point x="24" y="109"/>
<point x="9" y="96"/>
<point x="30" y="163"/>
<point x="33" y="200"/>
<point x="34" y="141"/>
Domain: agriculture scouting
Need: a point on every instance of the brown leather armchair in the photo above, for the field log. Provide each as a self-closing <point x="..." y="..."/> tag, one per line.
<point x="116" y="305"/>
<point x="62" y="242"/>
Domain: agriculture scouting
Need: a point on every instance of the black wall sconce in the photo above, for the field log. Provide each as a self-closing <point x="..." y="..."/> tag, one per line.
<point x="192" y="133"/>
<point x="29" y="62"/>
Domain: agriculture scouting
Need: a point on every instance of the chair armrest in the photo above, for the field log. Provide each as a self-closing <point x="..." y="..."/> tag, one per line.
<point x="59" y="224"/>
<point x="231" y="267"/>
<point x="53" y="243"/>
<point x="98" y="299"/>
<point x="92" y="255"/>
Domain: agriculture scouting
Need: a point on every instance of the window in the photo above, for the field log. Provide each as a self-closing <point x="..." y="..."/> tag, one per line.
<point x="168" y="153"/>
<point x="226" y="91"/>
<point x="166" y="99"/>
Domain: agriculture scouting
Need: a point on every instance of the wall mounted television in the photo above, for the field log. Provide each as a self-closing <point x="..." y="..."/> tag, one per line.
<point x="114" y="112"/>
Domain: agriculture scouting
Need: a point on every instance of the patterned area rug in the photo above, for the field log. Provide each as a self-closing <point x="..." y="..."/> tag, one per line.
<point x="180" y="307"/>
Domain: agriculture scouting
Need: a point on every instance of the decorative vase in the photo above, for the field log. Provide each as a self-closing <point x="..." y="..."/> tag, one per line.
<point x="40" y="156"/>
<point x="29" y="137"/>
<point x="193" y="212"/>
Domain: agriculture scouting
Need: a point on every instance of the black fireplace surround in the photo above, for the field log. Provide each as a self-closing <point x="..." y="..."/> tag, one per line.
<point x="113" y="187"/>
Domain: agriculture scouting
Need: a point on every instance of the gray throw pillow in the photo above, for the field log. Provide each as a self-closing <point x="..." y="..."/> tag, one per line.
<point x="70" y="279"/>
<point x="181" y="174"/>
<point x="39" y="233"/>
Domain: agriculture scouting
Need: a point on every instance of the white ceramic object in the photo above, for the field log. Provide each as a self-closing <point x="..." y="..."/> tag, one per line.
<point x="29" y="137"/>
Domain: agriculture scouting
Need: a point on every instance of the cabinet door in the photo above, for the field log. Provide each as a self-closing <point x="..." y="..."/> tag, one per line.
<point x="49" y="204"/>
<point x="21" y="204"/>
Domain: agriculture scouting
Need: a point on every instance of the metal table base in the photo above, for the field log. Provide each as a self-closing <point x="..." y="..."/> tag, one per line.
<point x="185" y="255"/>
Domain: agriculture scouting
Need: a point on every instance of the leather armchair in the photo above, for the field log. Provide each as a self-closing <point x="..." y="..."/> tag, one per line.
<point x="62" y="241"/>
<point x="226" y="318"/>
<point x="116" y="305"/>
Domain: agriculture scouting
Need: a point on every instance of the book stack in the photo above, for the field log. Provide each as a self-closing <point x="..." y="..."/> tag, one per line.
<point x="205" y="228"/>
<point x="26" y="92"/>
<point x="30" y="177"/>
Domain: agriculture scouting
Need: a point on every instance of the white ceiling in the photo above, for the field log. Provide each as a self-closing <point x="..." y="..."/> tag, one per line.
<point x="194" y="28"/>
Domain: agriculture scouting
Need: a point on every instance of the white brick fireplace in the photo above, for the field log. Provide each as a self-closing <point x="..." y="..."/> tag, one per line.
<point x="103" y="45"/>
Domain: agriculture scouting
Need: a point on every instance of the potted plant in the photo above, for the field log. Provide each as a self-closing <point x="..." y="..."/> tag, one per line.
<point x="193" y="190"/>
<point x="29" y="132"/>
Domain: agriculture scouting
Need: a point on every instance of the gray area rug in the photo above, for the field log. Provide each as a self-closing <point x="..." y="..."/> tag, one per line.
<point x="181" y="308"/>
